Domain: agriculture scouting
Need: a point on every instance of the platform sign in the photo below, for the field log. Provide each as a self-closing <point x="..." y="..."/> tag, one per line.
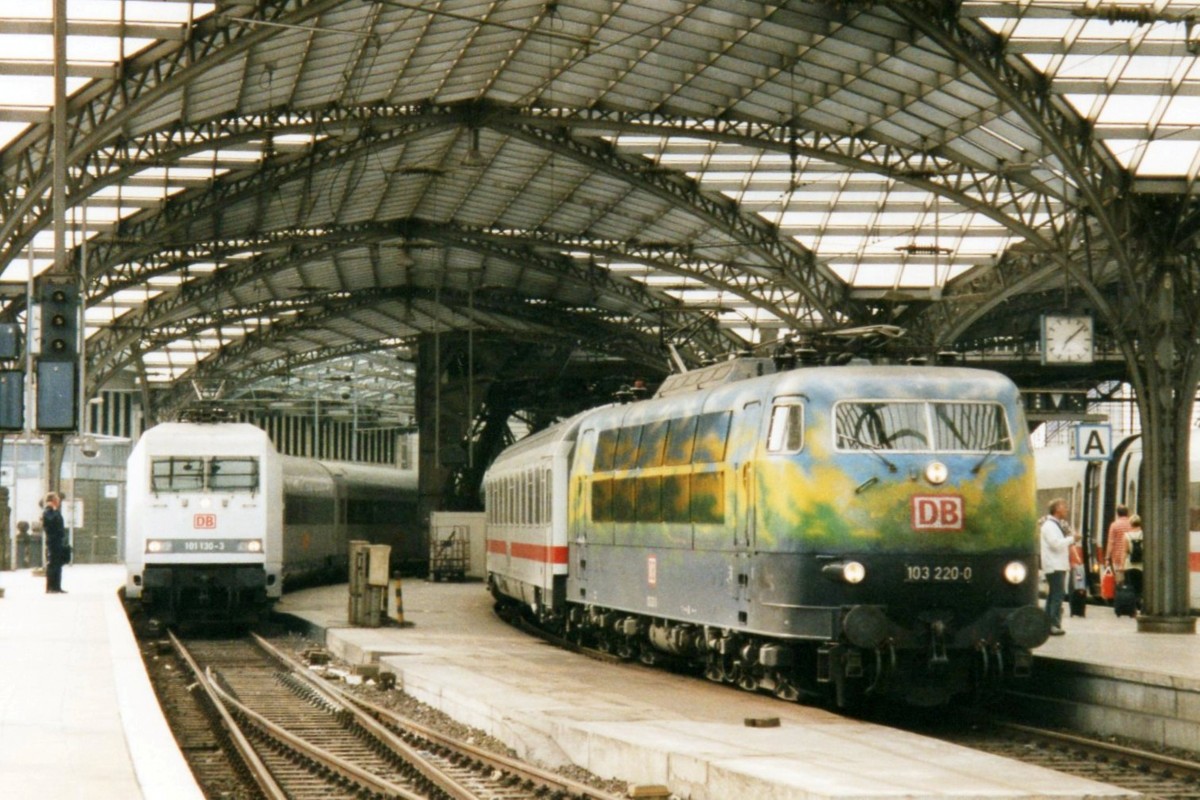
<point x="1091" y="443"/>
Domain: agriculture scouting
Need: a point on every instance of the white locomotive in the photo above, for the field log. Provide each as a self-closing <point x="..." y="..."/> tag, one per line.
<point x="217" y="521"/>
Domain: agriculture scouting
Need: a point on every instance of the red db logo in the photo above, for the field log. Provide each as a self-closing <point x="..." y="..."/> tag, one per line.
<point x="205" y="522"/>
<point x="937" y="513"/>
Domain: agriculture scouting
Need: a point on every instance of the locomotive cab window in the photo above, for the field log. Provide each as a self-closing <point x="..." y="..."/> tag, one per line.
<point x="193" y="474"/>
<point x="919" y="426"/>
<point x="786" y="432"/>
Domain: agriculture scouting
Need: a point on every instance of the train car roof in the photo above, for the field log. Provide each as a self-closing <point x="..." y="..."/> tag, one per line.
<point x="546" y="438"/>
<point x="185" y="438"/>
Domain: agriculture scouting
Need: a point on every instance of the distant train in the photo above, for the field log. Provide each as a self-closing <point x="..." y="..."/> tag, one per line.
<point x="218" y="523"/>
<point x="1093" y="489"/>
<point x="841" y="533"/>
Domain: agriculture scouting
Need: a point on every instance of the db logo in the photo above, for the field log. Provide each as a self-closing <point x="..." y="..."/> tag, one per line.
<point x="940" y="513"/>
<point x="206" y="522"/>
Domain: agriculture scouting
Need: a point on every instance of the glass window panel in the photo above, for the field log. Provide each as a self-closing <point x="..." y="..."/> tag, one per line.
<point x="708" y="497"/>
<point x="606" y="446"/>
<point x="602" y="491"/>
<point x="233" y="475"/>
<point x="624" y="500"/>
<point x="971" y="426"/>
<point x="177" y="475"/>
<point x="649" y="499"/>
<point x="712" y="431"/>
<point x="680" y="436"/>
<point x="786" y="432"/>
<point x="676" y="498"/>
<point x="881" y="425"/>
<point x="626" y="453"/>
<point x="653" y="444"/>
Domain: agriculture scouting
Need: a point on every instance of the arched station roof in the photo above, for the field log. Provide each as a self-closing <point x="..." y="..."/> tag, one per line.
<point x="255" y="188"/>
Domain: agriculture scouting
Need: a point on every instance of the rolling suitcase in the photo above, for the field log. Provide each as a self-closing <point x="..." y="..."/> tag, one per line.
<point x="1078" y="601"/>
<point x="1125" y="601"/>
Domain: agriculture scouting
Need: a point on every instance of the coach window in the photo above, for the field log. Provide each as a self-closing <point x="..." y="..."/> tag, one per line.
<point x="680" y="438"/>
<point x="712" y="430"/>
<point x="786" y="433"/>
<point x="606" y="447"/>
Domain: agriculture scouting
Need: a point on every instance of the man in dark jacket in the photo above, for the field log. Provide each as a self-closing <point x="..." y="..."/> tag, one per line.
<point x="57" y="550"/>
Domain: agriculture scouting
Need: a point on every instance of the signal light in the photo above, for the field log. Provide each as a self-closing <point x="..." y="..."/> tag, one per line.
<point x="60" y="320"/>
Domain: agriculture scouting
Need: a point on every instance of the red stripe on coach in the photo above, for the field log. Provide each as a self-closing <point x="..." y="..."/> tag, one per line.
<point x="540" y="552"/>
<point x="498" y="546"/>
<point x="1194" y="562"/>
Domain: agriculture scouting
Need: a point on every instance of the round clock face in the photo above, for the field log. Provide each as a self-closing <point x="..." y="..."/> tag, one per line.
<point x="1066" y="339"/>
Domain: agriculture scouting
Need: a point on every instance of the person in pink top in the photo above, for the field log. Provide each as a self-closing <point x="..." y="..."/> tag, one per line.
<point x="1116" y="550"/>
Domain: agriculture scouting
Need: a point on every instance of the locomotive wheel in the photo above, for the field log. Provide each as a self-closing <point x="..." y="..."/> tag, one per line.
<point x="625" y="648"/>
<point x="785" y="689"/>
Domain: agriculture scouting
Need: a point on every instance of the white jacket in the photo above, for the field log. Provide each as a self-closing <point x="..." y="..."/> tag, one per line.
<point x="1056" y="546"/>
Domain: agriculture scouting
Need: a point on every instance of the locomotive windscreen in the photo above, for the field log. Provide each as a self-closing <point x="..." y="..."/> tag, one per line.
<point x="195" y="474"/>
<point x="919" y="425"/>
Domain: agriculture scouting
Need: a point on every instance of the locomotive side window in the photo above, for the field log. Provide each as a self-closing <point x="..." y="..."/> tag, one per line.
<point x="649" y="500"/>
<point x="602" y="491"/>
<point x="626" y="453"/>
<point x="624" y="500"/>
<point x="970" y="426"/>
<point x="677" y="498"/>
<point x="786" y="432"/>
<point x="708" y="497"/>
<point x="606" y="447"/>
<point x="712" y="431"/>
<point x="680" y="437"/>
<point x="653" y="444"/>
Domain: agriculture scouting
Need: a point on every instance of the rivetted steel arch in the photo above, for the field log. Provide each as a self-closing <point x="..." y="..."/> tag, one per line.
<point x="1096" y="178"/>
<point x="543" y="320"/>
<point x="100" y="111"/>
<point x="111" y="348"/>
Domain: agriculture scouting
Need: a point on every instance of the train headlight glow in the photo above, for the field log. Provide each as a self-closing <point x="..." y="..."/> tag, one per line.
<point x="254" y="546"/>
<point x="1015" y="572"/>
<point x="845" y="571"/>
<point x="936" y="473"/>
<point x="155" y="546"/>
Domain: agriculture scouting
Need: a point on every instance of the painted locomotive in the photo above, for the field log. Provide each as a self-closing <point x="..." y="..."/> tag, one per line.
<point x="218" y="523"/>
<point x="841" y="533"/>
<point x="1093" y="488"/>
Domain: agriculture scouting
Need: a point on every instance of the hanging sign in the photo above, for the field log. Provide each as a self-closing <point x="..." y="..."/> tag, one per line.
<point x="1091" y="443"/>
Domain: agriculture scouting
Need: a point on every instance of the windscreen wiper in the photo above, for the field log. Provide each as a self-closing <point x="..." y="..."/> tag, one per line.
<point x="868" y="446"/>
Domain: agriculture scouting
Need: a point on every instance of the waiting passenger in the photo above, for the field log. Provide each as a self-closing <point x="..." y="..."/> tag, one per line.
<point x="1134" y="555"/>
<point x="1115" y="549"/>
<point x="1057" y="539"/>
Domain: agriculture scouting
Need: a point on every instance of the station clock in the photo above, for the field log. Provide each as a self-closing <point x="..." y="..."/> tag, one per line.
<point x="1067" y="339"/>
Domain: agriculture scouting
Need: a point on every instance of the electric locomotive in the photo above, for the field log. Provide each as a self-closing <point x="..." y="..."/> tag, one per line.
<point x="218" y="523"/>
<point x="842" y="533"/>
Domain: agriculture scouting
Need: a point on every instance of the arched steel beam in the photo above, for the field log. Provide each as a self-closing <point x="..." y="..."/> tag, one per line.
<point x="653" y="308"/>
<point x="614" y="335"/>
<point x="102" y="110"/>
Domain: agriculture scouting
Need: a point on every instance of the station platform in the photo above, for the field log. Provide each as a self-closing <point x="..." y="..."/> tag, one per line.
<point x="78" y="717"/>
<point x="649" y="727"/>
<point x="1107" y="678"/>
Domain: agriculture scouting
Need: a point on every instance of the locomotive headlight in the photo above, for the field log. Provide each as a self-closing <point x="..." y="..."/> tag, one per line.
<point x="936" y="473"/>
<point x="155" y="546"/>
<point x="254" y="546"/>
<point x="1015" y="572"/>
<point x="845" y="571"/>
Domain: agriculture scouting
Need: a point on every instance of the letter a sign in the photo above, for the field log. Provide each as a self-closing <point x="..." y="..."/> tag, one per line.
<point x="1092" y="443"/>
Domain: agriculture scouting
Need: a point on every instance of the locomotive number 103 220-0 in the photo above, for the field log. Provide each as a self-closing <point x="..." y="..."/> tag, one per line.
<point x="936" y="573"/>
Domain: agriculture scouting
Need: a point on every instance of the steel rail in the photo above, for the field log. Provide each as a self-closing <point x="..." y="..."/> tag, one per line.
<point x="376" y="713"/>
<point x="242" y="746"/>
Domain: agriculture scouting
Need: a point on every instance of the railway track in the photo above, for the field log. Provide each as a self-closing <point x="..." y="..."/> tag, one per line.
<point x="300" y="736"/>
<point x="1157" y="776"/>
